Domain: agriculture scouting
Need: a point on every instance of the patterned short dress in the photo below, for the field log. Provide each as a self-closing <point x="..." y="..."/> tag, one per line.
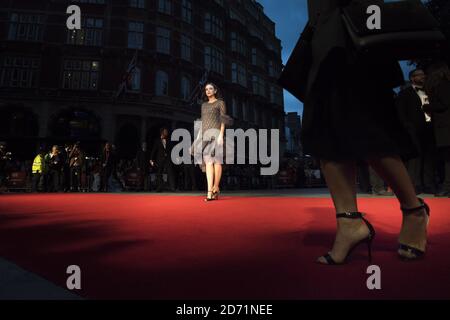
<point x="213" y="115"/>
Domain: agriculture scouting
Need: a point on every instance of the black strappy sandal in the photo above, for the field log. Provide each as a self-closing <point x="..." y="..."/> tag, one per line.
<point x="411" y="252"/>
<point x="368" y="240"/>
<point x="209" y="198"/>
<point x="215" y="194"/>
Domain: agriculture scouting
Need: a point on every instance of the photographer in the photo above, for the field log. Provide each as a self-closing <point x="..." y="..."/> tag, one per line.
<point x="54" y="162"/>
<point x="76" y="159"/>
<point x="108" y="164"/>
<point x="4" y="158"/>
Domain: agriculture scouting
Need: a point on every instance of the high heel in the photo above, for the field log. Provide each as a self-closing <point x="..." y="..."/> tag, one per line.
<point x="368" y="240"/>
<point x="208" y="198"/>
<point x="405" y="251"/>
<point x="215" y="194"/>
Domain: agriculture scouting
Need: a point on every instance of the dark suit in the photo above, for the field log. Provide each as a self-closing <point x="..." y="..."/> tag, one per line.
<point x="440" y="115"/>
<point x="422" y="168"/>
<point x="108" y="163"/>
<point x="161" y="156"/>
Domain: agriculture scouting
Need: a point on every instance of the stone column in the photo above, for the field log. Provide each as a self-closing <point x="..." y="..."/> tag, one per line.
<point x="143" y="129"/>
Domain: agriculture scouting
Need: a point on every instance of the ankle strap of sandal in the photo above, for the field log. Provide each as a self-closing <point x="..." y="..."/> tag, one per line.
<point x="349" y="215"/>
<point x="423" y="205"/>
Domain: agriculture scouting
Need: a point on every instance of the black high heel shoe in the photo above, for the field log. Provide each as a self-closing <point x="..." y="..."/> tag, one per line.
<point x="215" y="194"/>
<point x="368" y="240"/>
<point x="208" y="198"/>
<point x="405" y="251"/>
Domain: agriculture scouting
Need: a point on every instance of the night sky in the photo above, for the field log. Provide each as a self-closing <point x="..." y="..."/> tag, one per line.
<point x="290" y="17"/>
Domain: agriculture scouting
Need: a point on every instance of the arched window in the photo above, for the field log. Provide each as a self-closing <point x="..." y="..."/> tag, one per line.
<point x="162" y="83"/>
<point x="185" y="87"/>
<point x="136" y="79"/>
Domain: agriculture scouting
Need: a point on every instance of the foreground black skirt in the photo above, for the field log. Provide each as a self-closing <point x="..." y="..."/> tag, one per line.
<point x="350" y="112"/>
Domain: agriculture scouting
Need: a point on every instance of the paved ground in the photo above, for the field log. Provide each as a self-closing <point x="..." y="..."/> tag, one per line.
<point x="19" y="284"/>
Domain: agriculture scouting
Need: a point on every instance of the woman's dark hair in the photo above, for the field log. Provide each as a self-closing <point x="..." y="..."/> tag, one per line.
<point x="436" y="74"/>
<point x="218" y="92"/>
<point x="161" y="130"/>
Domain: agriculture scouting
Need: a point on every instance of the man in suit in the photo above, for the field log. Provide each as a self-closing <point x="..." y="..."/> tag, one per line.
<point x="76" y="162"/>
<point x="409" y="105"/>
<point x="438" y="87"/>
<point x="160" y="156"/>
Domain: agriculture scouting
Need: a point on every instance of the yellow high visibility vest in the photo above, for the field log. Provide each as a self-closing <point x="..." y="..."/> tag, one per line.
<point x="38" y="164"/>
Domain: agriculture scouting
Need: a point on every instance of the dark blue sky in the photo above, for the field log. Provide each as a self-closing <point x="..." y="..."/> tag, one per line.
<point x="290" y="17"/>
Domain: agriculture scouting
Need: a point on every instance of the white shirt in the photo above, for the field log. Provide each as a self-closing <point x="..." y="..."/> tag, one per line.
<point x="424" y="98"/>
<point x="164" y="142"/>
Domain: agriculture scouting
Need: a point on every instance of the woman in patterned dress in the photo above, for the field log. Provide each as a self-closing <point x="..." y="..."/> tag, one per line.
<point x="214" y="120"/>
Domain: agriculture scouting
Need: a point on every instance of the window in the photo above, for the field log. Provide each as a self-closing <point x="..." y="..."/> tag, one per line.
<point x="259" y="87"/>
<point x="273" y="69"/>
<point x="258" y="58"/>
<point x="256" y="32"/>
<point x="186" y="48"/>
<point x="163" y="40"/>
<point x="238" y="44"/>
<point x="90" y="34"/>
<point x="26" y="27"/>
<point x="137" y="4"/>
<point x="214" y="26"/>
<point x="234" y="107"/>
<point x="214" y="59"/>
<point x="185" y="88"/>
<point x="136" y="79"/>
<point x="186" y="11"/>
<point x="244" y="111"/>
<point x="234" y="15"/>
<point x="165" y="6"/>
<point x="238" y="74"/>
<point x="135" y="35"/>
<point x="162" y="83"/>
<point x="81" y="74"/>
<point x="20" y="72"/>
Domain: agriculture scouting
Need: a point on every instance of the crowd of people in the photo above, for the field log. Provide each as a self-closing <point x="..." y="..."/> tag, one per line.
<point x="69" y="168"/>
<point x="424" y="110"/>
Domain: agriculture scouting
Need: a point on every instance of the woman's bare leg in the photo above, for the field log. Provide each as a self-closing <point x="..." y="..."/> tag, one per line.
<point x="341" y="181"/>
<point x="414" y="226"/>
<point x="217" y="176"/>
<point x="210" y="177"/>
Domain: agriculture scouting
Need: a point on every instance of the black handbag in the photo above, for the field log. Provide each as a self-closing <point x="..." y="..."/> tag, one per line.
<point x="294" y="77"/>
<point x="408" y="29"/>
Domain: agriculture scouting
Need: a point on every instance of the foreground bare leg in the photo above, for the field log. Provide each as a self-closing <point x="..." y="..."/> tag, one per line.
<point x="414" y="226"/>
<point x="341" y="181"/>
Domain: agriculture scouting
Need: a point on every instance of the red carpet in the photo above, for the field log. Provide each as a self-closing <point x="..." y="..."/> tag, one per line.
<point x="178" y="247"/>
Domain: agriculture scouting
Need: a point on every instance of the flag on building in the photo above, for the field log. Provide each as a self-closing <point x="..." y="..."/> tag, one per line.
<point x="127" y="77"/>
